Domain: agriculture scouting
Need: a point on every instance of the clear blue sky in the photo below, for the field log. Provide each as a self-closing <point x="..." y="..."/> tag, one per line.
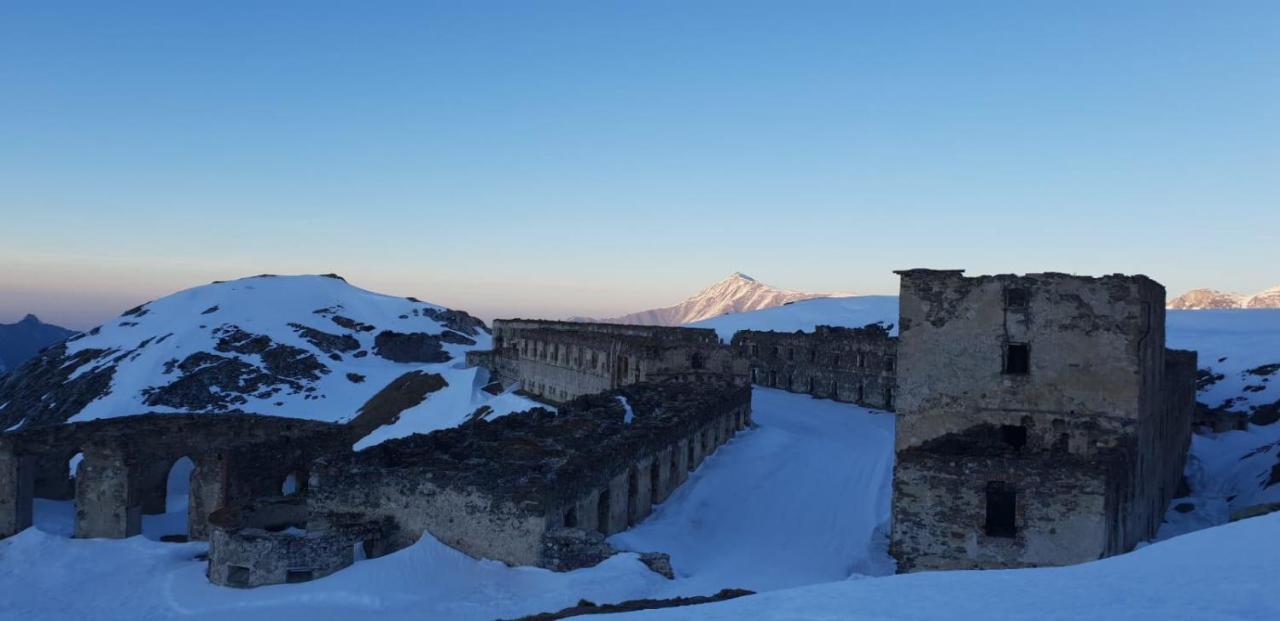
<point x="556" y="158"/>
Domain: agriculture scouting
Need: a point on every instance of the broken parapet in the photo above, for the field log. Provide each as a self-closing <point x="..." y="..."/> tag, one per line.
<point x="516" y="488"/>
<point x="855" y="365"/>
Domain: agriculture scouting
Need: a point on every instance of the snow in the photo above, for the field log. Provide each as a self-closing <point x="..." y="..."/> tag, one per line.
<point x="186" y="322"/>
<point x="794" y="507"/>
<point x="629" y="414"/>
<point x="801" y="498"/>
<point x="808" y="486"/>
<point x="1220" y="573"/>
<point x="848" y="312"/>
<point x="1230" y="342"/>
<point x="738" y="293"/>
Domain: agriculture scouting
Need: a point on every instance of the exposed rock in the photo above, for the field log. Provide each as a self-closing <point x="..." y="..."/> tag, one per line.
<point x="325" y="342"/>
<point x="411" y="347"/>
<point x="355" y="378"/>
<point x="659" y="562"/>
<point x="42" y="392"/>
<point x="352" y="324"/>
<point x="401" y="394"/>
<point x="585" y="607"/>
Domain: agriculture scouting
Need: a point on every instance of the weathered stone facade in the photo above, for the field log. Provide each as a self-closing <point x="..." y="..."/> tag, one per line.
<point x="857" y="365"/>
<point x="532" y="488"/>
<point x="1040" y="419"/>
<point x="126" y="464"/>
<point x="561" y="360"/>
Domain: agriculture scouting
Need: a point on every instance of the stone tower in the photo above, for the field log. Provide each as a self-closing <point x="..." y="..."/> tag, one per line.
<point x="1040" y="419"/>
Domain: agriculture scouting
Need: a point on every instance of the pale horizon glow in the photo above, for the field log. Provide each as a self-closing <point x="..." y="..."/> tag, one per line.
<point x="597" y="158"/>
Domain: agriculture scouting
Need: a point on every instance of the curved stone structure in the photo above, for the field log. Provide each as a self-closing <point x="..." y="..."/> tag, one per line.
<point x="127" y="461"/>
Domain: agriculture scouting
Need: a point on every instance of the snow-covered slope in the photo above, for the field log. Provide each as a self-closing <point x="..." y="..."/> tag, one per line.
<point x="738" y="293"/>
<point x="301" y="346"/>
<point x="1222" y="573"/>
<point x="1203" y="299"/>
<point x="849" y="312"/>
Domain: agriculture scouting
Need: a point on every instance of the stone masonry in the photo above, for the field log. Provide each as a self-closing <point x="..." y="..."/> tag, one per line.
<point x="533" y="488"/>
<point x="560" y="360"/>
<point x="1041" y="421"/>
<point x="856" y="365"/>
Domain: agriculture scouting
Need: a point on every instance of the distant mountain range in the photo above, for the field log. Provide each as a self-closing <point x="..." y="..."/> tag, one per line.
<point x="22" y="340"/>
<point x="738" y="293"/>
<point x="1202" y="299"/>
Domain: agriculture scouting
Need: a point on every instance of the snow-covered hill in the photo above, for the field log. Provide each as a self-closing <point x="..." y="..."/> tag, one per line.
<point x="738" y="293"/>
<point x="301" y="346"/>
<point x="1205" y="299"/>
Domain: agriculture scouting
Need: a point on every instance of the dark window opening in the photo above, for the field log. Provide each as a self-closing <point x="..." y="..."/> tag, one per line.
<point x="689" y="461"/>
<point x="888" y="398"/>
<point x="835" y="390"/>
<point x="602" y="512"/>
<point x="835" y="360"/>
<point x="754" y="380"/>
<point x="1016" y="297"/>
<point x="1014" y="435"/>
<point x="811" y="385"/>
<point x="294" y="576"/>
<point x="571" y="517"/>
<point x="1002" y="502"/>
<point x="774" y="352"/>
<point x="237" y="575"/>
<point x="773" y="379"/>
<point x="633" y="496"/>
<point x="791" y="354"/>
<point x="655" y="472"/>
<point x="813" y="355"/>
<point x="862" y="393"/>
<point x="696" y="361"/>
<point x="1017" y="359"/>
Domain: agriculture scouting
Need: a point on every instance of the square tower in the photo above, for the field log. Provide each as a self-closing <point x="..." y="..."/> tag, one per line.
<point x="1035" y="423"/>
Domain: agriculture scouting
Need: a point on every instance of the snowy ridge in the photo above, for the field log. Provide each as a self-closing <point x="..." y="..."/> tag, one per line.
<point x="310" y="347"/>
<point x="738" y="293"/>
<point x="1204" y="299"/>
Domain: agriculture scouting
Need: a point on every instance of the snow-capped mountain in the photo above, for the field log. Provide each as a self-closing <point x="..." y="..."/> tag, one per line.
<point x="1203" y="299"/>
<point x="20" y="341"/>
<point x="736" y="294"/>
<point x="301" y="346"/>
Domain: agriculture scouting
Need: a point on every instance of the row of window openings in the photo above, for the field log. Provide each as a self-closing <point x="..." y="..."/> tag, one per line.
<point x="633" y="485"/>
<point x="859" y="390"/>
<point x="860" y="359"/>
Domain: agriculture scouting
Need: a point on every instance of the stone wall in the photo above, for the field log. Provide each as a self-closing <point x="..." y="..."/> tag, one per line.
<point x="535" y="488"/>
<point x="856" y="365"/>
<point x="126" y="463"/>
<point x="558" y="361"/>
<point x="1040" y="420"/>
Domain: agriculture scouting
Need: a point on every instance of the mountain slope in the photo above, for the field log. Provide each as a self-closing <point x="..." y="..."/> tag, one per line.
<point x="300" y="346"/>
<point x="1209" y="299"/>
<point x="736" y="294"/>
<point x="22" y="340"/>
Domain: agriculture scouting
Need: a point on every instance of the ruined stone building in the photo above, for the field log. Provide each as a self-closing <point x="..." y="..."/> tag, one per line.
<point x="1040" y="419"/>
<point x="856" y="365"/>
<point x="533" y="488"/>
<point x="127" y="460"/>
<point x="561" y="360"/>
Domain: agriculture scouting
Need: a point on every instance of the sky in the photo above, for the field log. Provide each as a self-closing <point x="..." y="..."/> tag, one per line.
<point x="547" y="159"/>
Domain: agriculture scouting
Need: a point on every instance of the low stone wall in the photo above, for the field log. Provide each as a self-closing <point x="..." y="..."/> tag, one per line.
<point x="266" y="542"/>
<point x="536" y="488"/>
<point x="126" y="464"/>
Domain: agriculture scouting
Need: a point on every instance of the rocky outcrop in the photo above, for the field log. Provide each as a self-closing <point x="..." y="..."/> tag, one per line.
<point x="417" y="347"/>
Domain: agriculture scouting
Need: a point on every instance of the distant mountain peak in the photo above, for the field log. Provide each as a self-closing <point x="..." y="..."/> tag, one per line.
<point x="1206" y="299"/>
<point x="30" y="319"/>
<point x="738" y="293"/>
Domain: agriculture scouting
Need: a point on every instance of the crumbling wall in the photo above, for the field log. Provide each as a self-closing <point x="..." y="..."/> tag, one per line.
<point x="856" y="365"/>
<point x="127" y="460"/>
<point x="559" y="361"/>
<point x="1042" y="396"/>
<point x="522" y="488"/>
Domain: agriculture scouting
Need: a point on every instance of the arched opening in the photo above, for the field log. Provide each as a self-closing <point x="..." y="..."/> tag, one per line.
<point x="294" y="483"/>
<point x="172" y="524"/>
<point x="602" y="512"/>
<point x="571" y="517"/>
<point x="53" y="506"/>
<point x="655" y="472"/>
